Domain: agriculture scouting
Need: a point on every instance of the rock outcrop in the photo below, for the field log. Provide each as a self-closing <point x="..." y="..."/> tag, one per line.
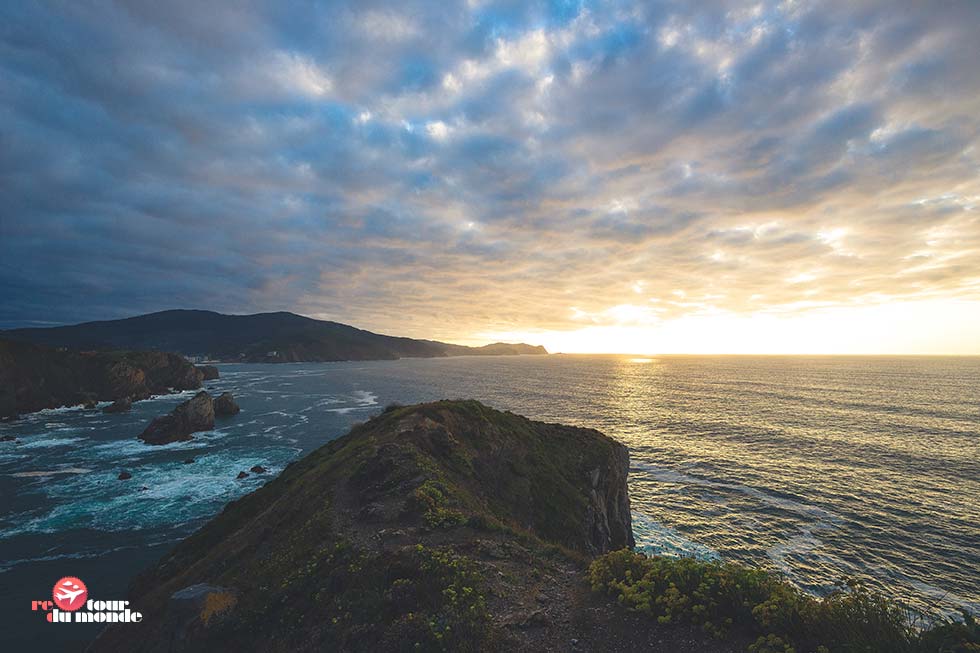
<point x="441" y="526"/>
<point x="34" y="377"/>
<point x="210" y="372"/>
<point x="193" y="415"/>
<point x="119" y="406"/>
<point x="225" y="406"/>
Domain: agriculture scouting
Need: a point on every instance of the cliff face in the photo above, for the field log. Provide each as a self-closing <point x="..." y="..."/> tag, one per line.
<point x="442" y="526"/>
<point x="34" y="377"/>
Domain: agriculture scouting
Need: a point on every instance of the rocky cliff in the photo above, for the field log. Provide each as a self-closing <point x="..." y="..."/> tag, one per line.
<point x="34" y="377"/>
<point x="441" y="526"/>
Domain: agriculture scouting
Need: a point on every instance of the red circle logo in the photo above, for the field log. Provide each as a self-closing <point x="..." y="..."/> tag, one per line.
<point x="70" y="593"/>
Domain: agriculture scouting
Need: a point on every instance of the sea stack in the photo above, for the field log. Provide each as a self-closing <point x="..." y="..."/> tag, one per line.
<point x="225" y="406"/>
<point x="209" y="372"/>
<point x="193" y="415"/>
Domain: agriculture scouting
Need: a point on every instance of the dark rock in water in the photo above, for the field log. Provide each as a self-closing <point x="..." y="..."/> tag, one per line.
<point x="189" y="461"/>
<point x="258" y="469"/>
<point x="124" y="476"/>
<point x="196" y="414"/>
<point x="497" y="507"/>
<point x="225" y="405"/>
<point x="87" y="400"/>
<point x="7" y="438"/>
<point x="210" y="372"/>
<point x="143" y="488"/>
<point x="119" y="406"/>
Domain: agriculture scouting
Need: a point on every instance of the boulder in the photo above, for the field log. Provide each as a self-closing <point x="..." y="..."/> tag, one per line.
<point x="7" y="438"/>
<point x="242" y="475"/>
<point x="86" y="400"/>
<point x="195" y="414"/>
<point x="119" y="406"/>
<point x="258" y="469"/>
<point x="210" y="372"/>
<point x="189" y="461"/>
<point x="124" y="476"/>
<point x="225" y="405"/>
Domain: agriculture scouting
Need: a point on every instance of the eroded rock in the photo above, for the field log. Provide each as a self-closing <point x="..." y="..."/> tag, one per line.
<point x="195" y="414"/>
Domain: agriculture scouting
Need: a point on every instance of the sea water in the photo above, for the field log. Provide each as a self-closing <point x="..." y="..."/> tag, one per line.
<point x="819" y="468"/>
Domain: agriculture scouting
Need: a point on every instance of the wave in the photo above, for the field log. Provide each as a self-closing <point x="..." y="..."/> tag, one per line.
<point x="49" y="443"/>
<point x="666" y="475"/>
<point x="656" y="538"/>
<point x="174" y="495"/>
<point x="51" y="472"/>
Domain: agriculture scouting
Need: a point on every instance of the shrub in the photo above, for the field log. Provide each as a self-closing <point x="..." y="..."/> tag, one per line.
<point x="721" y="596"/>
<point x="434" y="501"/>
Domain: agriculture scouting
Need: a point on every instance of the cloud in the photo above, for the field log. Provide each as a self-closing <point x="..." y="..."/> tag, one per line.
<point x="449" y="169"/>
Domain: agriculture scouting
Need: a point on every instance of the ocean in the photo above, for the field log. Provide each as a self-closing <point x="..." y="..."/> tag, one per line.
<point x="820" y="468"/>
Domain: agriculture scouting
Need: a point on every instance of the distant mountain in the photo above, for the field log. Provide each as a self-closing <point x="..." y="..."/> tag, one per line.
<point x="260" y="338"/>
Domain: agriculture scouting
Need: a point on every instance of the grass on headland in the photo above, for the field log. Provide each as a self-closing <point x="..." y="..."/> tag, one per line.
<point x="721" y="597"/>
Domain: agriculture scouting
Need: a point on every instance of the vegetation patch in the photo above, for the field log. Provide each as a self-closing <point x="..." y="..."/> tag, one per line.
<point x="434" y="501"/>
<point x="720" y="597"/>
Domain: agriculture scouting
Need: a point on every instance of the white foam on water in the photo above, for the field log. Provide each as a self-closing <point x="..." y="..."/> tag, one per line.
<point x="365" y="398"/>
<point x="51" y="472"/>
<point x="175" y="493"/>
<point x="672" y="476"/>
<point x="275" y="412"/>
<point x="45" y="412"/>
<point x="134" y="447"/>
<point x="659" y="539"/>
<point x="7" y="565"/>
<point x="806" y="545"/>
<point x="942" y="599"/>
<point x="48" y="443"/>
<point x="362" y="400"/>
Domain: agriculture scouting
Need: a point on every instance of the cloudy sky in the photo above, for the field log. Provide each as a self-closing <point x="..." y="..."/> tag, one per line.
<point x="645" y="177"/>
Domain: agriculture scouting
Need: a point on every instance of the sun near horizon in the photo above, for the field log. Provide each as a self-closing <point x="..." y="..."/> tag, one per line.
<point x="937" y="328"/>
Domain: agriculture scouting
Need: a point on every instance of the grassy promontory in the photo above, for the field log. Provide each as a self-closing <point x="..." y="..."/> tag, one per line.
<point x="450" y="526"/>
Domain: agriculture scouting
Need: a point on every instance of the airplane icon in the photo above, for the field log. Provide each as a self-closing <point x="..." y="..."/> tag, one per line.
<point x="65" y="593"/>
